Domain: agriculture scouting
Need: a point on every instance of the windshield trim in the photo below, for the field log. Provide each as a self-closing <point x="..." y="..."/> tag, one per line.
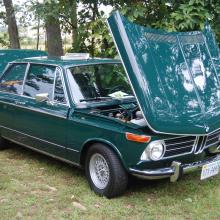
<point x="89" y="64"/>
<point x="93" y="63"/>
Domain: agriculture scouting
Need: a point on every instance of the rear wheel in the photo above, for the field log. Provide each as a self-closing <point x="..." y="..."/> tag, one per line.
<point x="3" y="143"/>
<point x="104" y="171"/>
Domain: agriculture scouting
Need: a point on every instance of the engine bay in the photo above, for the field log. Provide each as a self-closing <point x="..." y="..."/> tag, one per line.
<point x="129" y="113"/>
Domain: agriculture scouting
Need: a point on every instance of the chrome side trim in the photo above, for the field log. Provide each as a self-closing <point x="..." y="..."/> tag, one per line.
<point x="35" y="110"/>
<point x="44" y="152"/>
<point x="70" y="149"/>
<point x="42" y="140"/>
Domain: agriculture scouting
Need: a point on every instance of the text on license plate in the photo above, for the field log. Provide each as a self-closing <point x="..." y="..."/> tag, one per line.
<point x="209" y="170"/>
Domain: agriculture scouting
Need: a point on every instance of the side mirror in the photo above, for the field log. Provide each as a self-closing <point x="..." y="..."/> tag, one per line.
<point x="42" y="97"/>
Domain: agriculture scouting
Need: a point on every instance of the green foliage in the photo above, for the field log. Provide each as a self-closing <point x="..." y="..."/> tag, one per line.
<point x="95" y="38"/>
<point x="172" y="15"/>
<point x="4" y="41"/>
<point x="88" y="25"/>
<point x="188" y="16"/>
<point x="47" y="9"/>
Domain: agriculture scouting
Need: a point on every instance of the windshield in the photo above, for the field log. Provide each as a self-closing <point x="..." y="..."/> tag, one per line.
<point x="98" y="82"/>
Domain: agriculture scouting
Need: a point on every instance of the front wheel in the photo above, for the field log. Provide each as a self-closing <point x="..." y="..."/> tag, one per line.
<point x="104" y="171"/>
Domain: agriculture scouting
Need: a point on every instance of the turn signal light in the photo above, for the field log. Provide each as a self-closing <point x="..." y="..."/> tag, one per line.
<point x="137" y="138"/>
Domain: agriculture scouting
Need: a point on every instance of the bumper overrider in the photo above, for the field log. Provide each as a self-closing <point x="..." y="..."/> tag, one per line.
<point x="175" y="171"/>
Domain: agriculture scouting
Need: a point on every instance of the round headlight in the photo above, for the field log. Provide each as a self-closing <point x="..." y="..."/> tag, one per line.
<point x="154" y="151"/>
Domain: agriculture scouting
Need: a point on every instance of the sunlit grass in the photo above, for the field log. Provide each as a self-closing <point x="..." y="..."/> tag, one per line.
<point x="33" y="186"/>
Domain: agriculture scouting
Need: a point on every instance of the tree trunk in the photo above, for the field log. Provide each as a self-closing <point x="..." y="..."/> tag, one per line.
<point x="95" y="14"/>
<point x="12" y="25"/>
<point x="73" y="19"/>
<point x="38" y="32"/>
<point x="54" y="40"/>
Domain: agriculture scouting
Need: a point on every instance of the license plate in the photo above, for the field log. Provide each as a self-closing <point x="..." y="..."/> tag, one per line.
<point x="209" y="170"/>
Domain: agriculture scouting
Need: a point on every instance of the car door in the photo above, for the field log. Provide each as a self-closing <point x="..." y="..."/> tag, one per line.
<point x="11" y="83"/>
<point x="42" y="125"/>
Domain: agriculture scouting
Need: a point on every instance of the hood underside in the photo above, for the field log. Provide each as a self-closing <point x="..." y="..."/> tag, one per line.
<point x="175" y="76"/>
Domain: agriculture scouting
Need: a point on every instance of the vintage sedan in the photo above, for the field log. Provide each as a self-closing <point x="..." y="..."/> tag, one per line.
<point x="155" y="113"/>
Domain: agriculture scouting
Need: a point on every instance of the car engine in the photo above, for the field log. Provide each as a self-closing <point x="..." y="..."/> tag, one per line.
<point x="126" y="112"/>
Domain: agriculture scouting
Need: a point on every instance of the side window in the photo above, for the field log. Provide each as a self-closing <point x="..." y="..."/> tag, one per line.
<point x="40" y="79"/>
<point x="12" y="80"/>
<point x="58" y="90"/>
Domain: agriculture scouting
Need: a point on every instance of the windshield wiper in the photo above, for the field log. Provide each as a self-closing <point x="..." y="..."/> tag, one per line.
<point x="95" y="98"/>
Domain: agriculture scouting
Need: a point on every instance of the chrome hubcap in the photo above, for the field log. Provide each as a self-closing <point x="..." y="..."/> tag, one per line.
<point x="99" y="171"/>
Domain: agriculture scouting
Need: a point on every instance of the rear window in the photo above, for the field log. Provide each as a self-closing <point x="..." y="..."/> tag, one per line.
<point x="12" y="80"/>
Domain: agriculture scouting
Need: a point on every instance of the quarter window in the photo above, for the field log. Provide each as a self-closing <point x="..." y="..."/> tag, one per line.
<point x="12" y="80"/>
<point x="40" y="79"/>
<point x="58" y="90"/>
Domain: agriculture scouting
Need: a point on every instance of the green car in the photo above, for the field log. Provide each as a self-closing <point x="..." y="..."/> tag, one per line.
<point x="155" y="113"/>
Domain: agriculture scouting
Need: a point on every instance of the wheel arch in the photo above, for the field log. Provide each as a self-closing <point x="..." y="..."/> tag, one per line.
<point x="91" y="142"/>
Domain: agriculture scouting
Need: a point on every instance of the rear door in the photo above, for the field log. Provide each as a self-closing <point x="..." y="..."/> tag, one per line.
<point x="11" y="84"/>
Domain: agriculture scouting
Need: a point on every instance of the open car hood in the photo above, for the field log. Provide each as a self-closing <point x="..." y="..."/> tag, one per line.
<point x="175" y="76"/>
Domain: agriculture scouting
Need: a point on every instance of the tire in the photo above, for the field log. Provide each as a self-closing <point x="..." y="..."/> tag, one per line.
<point x="111" y="181"/>
<point x="3" y="143"/>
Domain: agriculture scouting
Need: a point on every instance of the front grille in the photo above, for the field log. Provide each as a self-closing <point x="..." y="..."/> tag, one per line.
<point x="200" y="145"/>
<point x="190" y="144"/>
<point x="213" y="139"/>
<point x="179" y="146"/>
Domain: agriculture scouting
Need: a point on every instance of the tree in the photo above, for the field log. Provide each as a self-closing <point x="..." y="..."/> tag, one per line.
<point x="12" y="25"/>
<point x="53" y="33"/>
<point x="49" y="11"/>
<point x="169" y="15"/>
<point x="93" y="31"/>
<point x="69" y="21"/>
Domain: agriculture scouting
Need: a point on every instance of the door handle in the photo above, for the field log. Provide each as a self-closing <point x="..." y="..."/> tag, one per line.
<point x="20" y="103"/>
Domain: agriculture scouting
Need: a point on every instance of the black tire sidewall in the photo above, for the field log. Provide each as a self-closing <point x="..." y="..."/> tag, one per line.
<point x="107" y="154"/>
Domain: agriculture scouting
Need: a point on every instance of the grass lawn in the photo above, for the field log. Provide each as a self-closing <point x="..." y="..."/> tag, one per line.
<point x="33" y="186"/>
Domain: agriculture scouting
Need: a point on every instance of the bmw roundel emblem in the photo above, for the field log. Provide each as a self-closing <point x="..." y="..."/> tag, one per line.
<point x="206" y="128"/>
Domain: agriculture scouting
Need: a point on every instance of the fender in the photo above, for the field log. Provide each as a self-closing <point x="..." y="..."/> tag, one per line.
<point x="91" y="141"/>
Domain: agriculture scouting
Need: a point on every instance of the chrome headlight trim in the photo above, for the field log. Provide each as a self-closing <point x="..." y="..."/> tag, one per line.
<point x="148" y="152"/>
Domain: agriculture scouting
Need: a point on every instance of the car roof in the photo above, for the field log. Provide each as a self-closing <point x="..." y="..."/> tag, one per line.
<point x="66" y="61"/>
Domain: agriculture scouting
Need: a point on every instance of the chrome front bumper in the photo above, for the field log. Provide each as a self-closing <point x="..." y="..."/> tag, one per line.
<point x="175" y="171"/>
